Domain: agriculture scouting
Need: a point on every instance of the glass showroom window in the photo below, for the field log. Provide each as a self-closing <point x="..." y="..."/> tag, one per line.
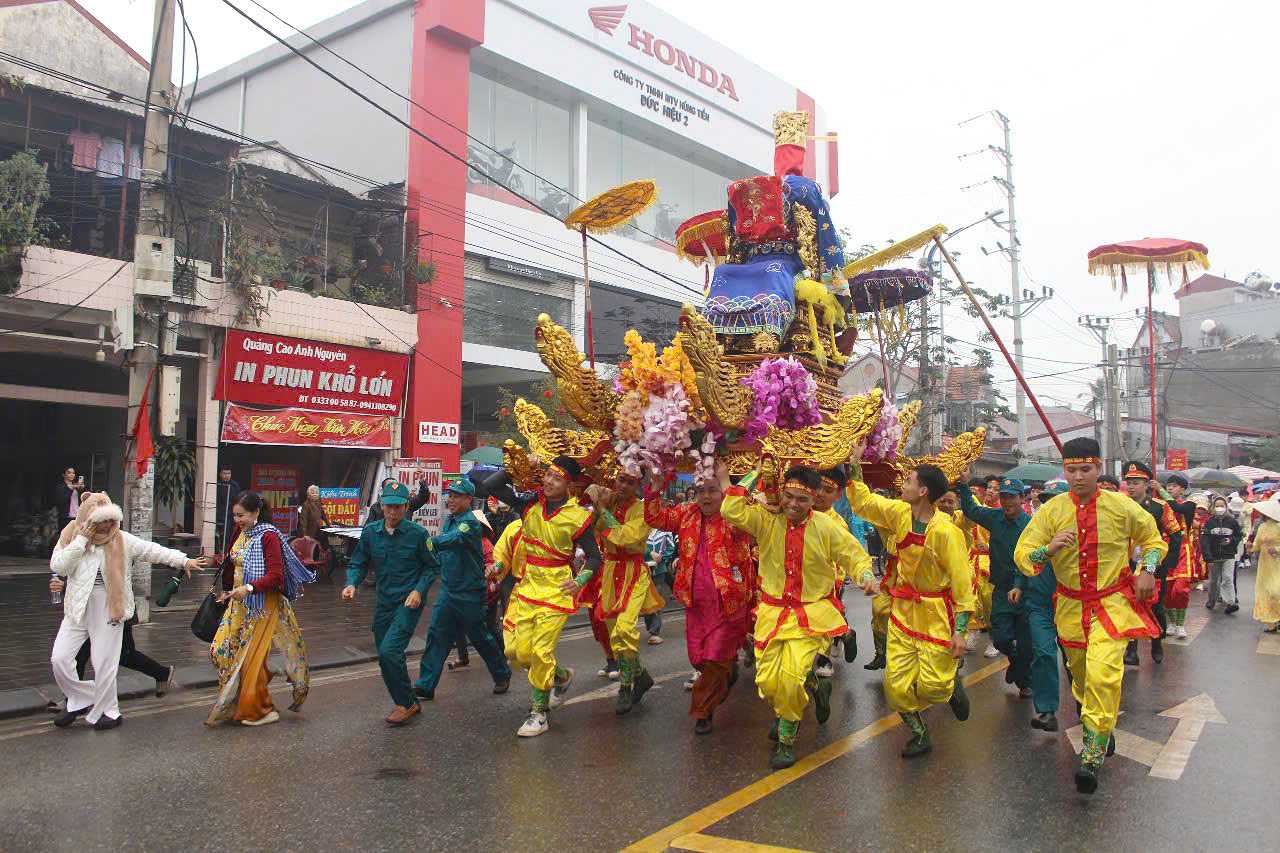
<point x="498" y="315"/>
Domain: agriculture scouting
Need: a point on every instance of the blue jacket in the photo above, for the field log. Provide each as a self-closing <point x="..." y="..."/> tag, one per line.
<point x="1004" y="537"/>
<point x="460" y="551"/>
<point x="401" y="559"/>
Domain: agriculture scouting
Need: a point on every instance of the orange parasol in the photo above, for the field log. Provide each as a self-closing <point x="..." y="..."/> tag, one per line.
<point x="1151" y="254"/>
<point x="602" y="214"/>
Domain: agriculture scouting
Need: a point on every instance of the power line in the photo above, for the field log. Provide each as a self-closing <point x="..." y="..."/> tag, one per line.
<point x="433" y="142"/>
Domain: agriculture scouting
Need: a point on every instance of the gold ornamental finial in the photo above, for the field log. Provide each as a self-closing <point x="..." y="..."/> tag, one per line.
<point x="790" y="128"/>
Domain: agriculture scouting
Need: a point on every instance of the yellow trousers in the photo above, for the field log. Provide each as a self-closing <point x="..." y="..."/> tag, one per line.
<point x="509" y="621"/>
<point x="781" y="670"/>
<point x="981" y="619"/>
<point x="1097" y="673"/>
<point x="917" y="673"/>
<point x="531" y="644"/>
<point x="881" y="604"/>
<point x="624" y="630"/>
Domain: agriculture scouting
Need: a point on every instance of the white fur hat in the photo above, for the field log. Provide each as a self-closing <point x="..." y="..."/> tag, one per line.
<point x="106" y="512"/>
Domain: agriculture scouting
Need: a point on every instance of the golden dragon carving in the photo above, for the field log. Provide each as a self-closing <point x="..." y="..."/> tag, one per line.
<point x="723" y="396"/>
<point x="907" y="417"/>
<point x="591" y="448"/>
<point x="823" y="445"/>
<point x="590" y="401"/>
<point x="954" y="460"/>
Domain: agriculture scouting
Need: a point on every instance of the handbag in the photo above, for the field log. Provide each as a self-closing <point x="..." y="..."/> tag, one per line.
<point x="208" y="616"/>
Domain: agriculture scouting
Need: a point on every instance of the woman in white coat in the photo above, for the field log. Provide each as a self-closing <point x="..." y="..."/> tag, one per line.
<point x="96" y="557"/>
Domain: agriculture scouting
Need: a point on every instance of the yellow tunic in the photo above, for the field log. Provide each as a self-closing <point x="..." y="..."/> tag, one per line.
<point x="798" y="569"/>
<point x="861" y="560"/>
<point x="1266" y="600"/>
<point x="1093" y="575"/>
<point x="509" y="554"/>
<point x="624" y="574"/>
<point x="549" y="548"/>
<point x="933" y="579"/>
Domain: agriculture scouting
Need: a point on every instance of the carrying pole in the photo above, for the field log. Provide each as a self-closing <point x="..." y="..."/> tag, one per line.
<point x="1022" y="382"/>
<point x="586" y="300"/>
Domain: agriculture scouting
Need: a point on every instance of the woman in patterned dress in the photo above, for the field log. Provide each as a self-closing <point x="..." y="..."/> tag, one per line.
<point x="1266" y="544"/>
<point x="260" y="578"/>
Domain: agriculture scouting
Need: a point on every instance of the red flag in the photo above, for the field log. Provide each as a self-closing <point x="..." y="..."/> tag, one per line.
<point x="144" y="447"/>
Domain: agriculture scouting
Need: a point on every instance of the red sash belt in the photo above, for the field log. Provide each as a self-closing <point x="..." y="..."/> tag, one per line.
<point x="908" y="593"/>
<point x="789" y="605"/>
<point x="1091" y="606"/>
<point x="545" y="562"/>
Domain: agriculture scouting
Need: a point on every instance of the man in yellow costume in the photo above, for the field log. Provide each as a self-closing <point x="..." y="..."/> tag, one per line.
<point x="508" y="559"/>
<point x="801" y="554"/>
<point x="1086" y="536"/>
<point x="553" y="524"/>
<point x="626" y="587"/>
<point x="932" y="595"/>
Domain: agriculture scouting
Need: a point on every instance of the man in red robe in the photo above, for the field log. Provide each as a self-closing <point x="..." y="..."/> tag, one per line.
<point x="716" y="581"/>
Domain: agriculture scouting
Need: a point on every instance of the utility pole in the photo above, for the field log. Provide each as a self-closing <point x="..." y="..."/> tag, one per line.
<point x="1022" y="302"/>
<point x="153" y="228"/>
<point x="1101" y="329"/>
<point x="1114" y="425"/>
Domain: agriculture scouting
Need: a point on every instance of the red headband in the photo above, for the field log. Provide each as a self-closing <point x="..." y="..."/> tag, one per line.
<point x="561" y="471"/>
<point x="800" y="487"/>
<point x="1082" y="460"/>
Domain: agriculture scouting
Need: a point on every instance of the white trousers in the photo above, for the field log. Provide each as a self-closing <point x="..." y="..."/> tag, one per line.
<point x="104" y="652"/>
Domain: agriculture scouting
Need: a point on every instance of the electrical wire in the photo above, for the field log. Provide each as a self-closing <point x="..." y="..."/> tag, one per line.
<point x="439" y="146"/>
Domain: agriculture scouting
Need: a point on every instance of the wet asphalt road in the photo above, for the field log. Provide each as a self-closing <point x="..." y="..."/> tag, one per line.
<point x="335" y="777"/>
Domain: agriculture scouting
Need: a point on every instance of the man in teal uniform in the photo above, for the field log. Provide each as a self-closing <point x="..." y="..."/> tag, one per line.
<point x="1036" y="594"/>
<point x="1010" y="632"/>
<point x="461" y="606"/>
<point x="396" y="549"/>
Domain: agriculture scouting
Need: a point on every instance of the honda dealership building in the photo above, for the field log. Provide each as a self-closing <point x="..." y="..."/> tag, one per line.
<point x="516" y="106"/>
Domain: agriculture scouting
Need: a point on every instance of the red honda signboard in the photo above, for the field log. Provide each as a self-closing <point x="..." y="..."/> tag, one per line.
<point x="270" y="370"/>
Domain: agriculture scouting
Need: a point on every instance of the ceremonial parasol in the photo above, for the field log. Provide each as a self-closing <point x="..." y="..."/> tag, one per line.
<point x="602" y="214"/>
<point x="701" y="240"/>
<point x="1151" y="254"/>
<point x="874" y="291"/>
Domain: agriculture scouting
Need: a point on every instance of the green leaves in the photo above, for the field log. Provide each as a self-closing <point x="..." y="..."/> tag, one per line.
<point x="175" y="470"/>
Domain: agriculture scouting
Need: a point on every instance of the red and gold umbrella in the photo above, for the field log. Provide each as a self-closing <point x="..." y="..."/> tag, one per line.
<point x="1151" y="254"/>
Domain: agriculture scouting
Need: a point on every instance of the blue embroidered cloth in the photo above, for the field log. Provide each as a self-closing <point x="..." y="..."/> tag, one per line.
<point x="255" y="567"/>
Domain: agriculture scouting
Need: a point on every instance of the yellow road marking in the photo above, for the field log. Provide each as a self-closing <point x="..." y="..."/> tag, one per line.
<point x="761" y="788"/>
<point x="711" y="844"/>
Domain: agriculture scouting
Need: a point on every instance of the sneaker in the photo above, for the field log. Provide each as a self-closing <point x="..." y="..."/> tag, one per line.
<point x="655" y="640"/>
<point x="106" y="723"/>
<point x="971" y="641"/>
<point x="272" y="716"/>
<point x="1046" y="722"/>
<point x="691" y="680"/>
<point x="163" y="687"/>
<point x="1181" y="631"/>
<point x="458" y="664"/>
<point x="560" y="688"/>
<point x="535" y="724"/>
<point x="70" y="717"/>
<point x="991" y="652"/>
<point x="614" y="674"/>
<point x="702" y="726"/>
<point x="1231" y="608"/>
<point x="500" y="687"/>
<point x="608" y="670"/>
<point x="1200" y="587"/>
<point x="1024" y="692"/>
<point x="824" y="669"/>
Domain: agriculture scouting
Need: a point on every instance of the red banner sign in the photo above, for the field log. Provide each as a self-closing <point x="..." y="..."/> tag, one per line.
<point x="299" y="428"/>
<point x="1176" y="459"/>
<point x="279" y="486"/>
<point x="269" y="370"/>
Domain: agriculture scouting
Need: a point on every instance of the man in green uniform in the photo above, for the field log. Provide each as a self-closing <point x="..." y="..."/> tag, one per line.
<point x="397" y="550"/>
<point x="1009" y="631"/>
<point x="461" y="605"/>
<point x="1036" y="595"/>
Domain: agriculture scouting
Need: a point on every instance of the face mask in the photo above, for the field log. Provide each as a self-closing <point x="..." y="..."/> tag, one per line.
<point x="1219" y="510"/>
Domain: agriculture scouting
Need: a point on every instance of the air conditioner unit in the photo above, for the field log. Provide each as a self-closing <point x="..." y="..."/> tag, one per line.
<point x="153" y="266"/>
<point x="192" y="281"/>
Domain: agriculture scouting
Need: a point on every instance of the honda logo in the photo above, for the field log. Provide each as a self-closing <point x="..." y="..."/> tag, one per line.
<point x="606" y="18"/>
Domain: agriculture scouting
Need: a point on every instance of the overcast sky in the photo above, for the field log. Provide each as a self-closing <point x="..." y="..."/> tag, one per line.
<point x="1129" y="120"/>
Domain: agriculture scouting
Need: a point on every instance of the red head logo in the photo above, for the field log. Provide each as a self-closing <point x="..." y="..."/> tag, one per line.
<point x="606" y="18"/>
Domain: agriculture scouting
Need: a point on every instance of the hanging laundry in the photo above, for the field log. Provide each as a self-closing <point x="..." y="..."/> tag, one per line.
<point x="84" y="150"/>
<point x="135" y="163"/>
<point x="111" y="157"/>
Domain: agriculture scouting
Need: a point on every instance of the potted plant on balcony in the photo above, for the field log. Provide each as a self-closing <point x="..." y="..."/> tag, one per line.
<point x="24" y="187"/>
